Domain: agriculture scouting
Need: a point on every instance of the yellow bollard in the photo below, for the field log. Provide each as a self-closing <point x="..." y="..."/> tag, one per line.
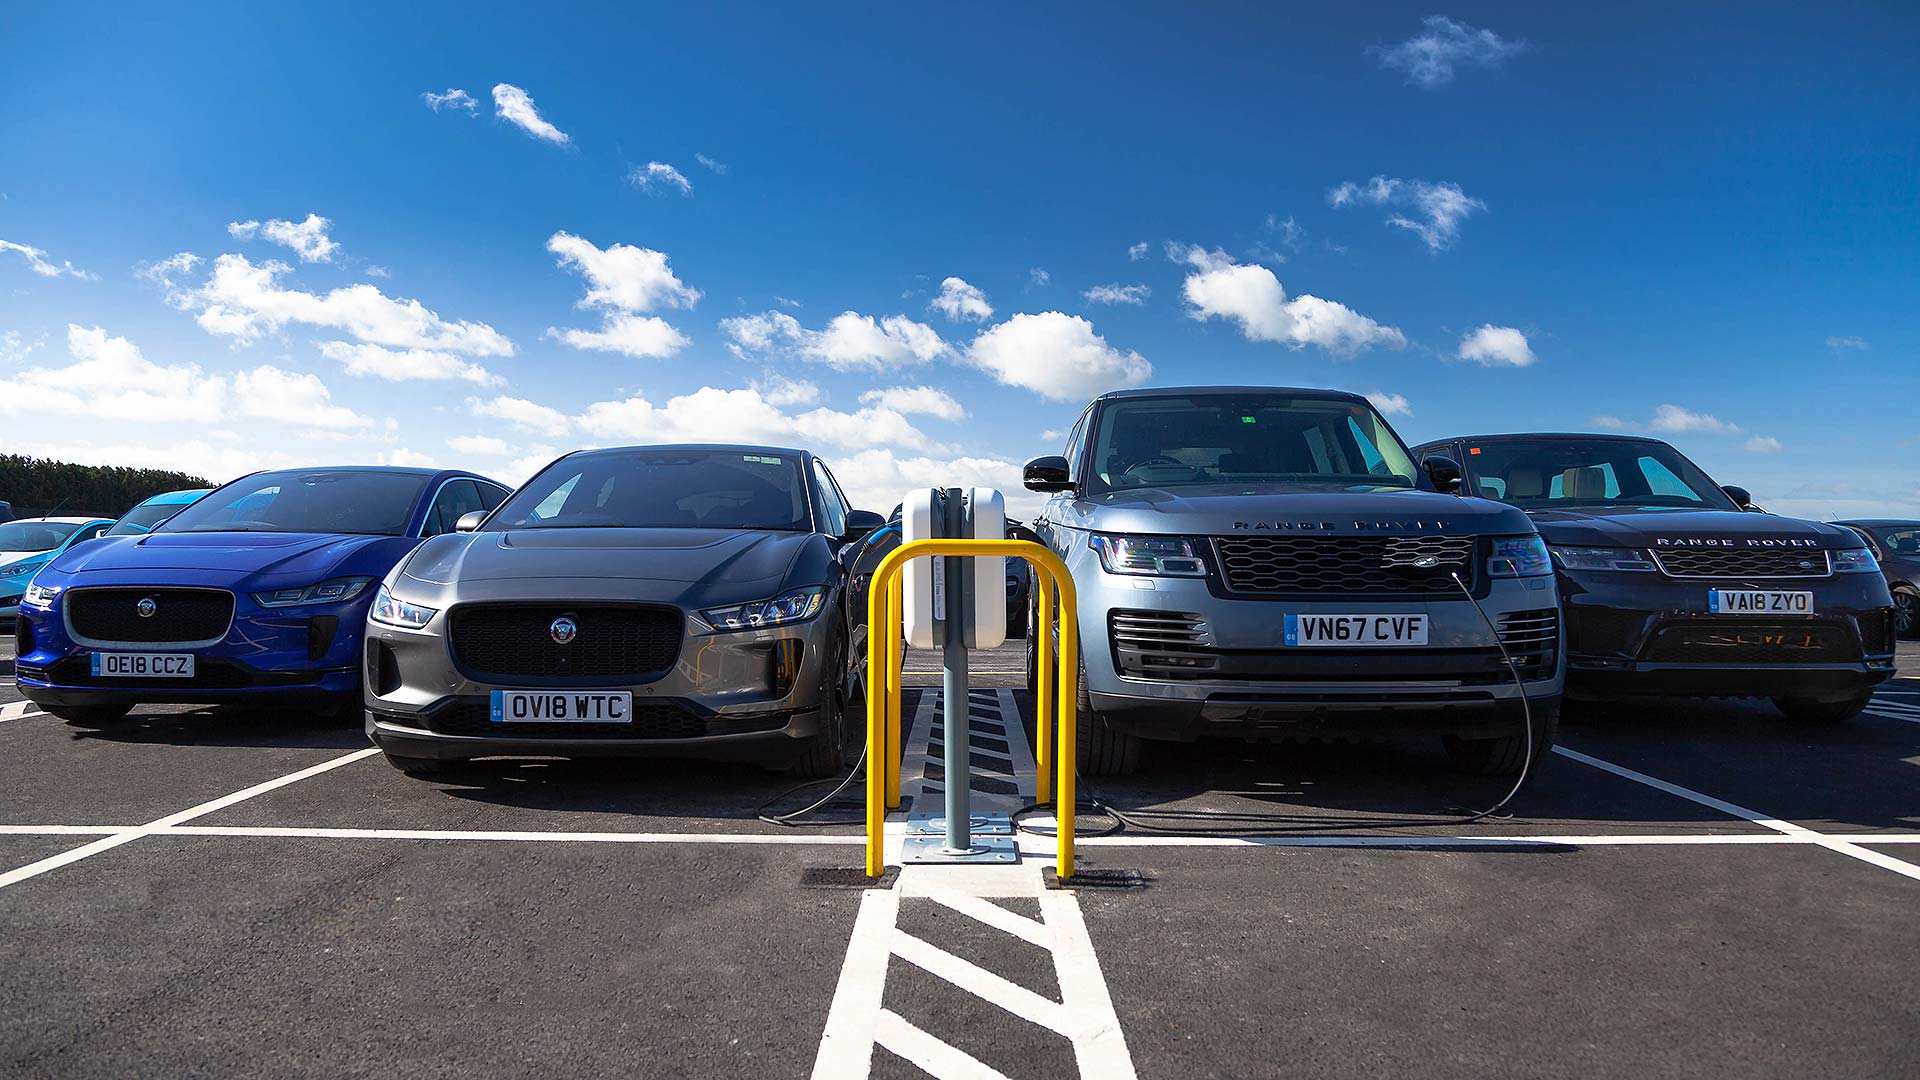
<point x="1043" y="704"/>
<point x="895" y="660"/>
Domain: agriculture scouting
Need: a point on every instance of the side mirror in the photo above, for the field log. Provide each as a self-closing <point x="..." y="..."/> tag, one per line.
<point x="860" y="523"/>
<point x="469" y="521"/>
<point x="1046" y="474"/>
<point x="1741" y="497"/>
<point x="1445" y="473"/>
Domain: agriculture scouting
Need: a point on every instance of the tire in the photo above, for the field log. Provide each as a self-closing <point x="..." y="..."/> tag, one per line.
<point x="90" y="716"/>
<point x="1906" y="614"/>
<point x="1822" y="711"/>
<point x="824" y="753"/>
<point x="1503" y="755"/>
<point x="1098" y="748"/>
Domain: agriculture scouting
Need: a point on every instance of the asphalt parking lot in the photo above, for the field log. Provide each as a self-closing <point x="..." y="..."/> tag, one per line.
<point x="1687" y="890"/>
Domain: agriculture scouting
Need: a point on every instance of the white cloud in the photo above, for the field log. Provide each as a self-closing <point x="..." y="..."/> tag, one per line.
<point x="111" y="380"/>
<point x="38" y="262"/>
<point x="877" y="479"/>
<point x="1674" y="420"/>
<point x="523" y="414"/>
<point x="641" y="336"/>
<point x="14" y="348"/>
<point x="479" y="445"/>
<point x="409" y="459"/>
<point x="399" y="365"/>
<point x="242" y="300"/>
<point x="1609" y="423"/>
<point x="1118" y="294"/>
<point x="926" y="400"/>
<point x="164" y="272"/>
<point x="289" y="397"/>
<point x="658" y="175"/>
<point x="1848" y="342"/>
<point x="521" y="469"/>
<point x="515" y="106"/>
<point x="959" y="300"/>
<point x="1497" y="346"/>
<point x="1763" y="444"/>
<point x="1441" y="206"/>
<point x="454" y="98"/>
<point x="1250" y="295"/>
<point x="1136" y="252"/>
<point x="746" y="416"/>
<point x="850" y="341"/>
<point x="786" y="303"/>
<point x="1430" y="57"/>
<point x="1390" y="404"/>
<point x="1038" y="277"/>
<point x="629" y="278"/>
<point x="717" y="166"/>
<point x="308" y="238"/>
<point x="1291" y="235"/>
<point x="777" y="389"/>
<point x="1057" y="356"/>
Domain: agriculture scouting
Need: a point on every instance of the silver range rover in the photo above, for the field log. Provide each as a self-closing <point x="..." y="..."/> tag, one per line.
<point x="1267" y="563"/>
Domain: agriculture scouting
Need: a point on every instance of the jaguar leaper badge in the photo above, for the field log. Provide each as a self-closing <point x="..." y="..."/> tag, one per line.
<point x="563" y="630"/>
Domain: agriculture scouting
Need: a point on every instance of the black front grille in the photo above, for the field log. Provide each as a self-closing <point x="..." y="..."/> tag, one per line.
<point x="1721" y="642"/>
<point x="1719" y="562"/>
<point x="1161" y="644"/>
<point x="662" y="720"/>
<point x="22" y="636"/>
<point x="1346" y="565"/>
<point x="113" y="614"/>
<point x="627" y="642"/>
<point x="1597" y="631"/>
<point x="209" y="673"/>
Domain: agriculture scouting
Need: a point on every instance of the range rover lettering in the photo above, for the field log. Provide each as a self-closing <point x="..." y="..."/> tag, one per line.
<point x="1266" y="563"/>
<point x="1673" y="585"/>
<point x="681" y="600"/>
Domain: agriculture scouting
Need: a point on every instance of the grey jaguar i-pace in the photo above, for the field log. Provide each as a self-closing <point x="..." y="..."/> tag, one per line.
<point x="683" y="600"/>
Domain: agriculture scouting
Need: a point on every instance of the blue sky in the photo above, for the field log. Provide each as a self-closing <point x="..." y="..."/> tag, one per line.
<point x="642" y="224"/>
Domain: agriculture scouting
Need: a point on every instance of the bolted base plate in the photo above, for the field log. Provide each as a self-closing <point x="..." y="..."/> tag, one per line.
<point x="932" y="848"/>
<point x="984" y="823"/>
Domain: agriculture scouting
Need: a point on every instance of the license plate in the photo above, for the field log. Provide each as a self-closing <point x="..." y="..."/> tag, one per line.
<point x="1352" y="630"/>
<point x="562" y="707"/>
<point x="141" y="665"/>
<point x="1759" y="602"/>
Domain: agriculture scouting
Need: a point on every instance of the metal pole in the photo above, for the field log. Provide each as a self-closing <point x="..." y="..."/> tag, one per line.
<point x="953" y="685"/>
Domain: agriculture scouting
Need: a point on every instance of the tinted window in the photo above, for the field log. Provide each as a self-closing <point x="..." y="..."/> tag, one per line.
<point x="35" y="535"/>
<point x="833" y="508"/>
<point x="1256" y="439"/>
<point x="312" y="500"/>
<point x="456" y="497"/>
<point x="492" y="495"/>
<point x="1901" y="541"/>
<point x="640" y="489"/>
<point x="1576" y="471"/>
<point x="1074" y="442"/>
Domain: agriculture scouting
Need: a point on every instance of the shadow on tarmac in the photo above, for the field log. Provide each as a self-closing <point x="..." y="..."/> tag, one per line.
<point x="232" y="725"/>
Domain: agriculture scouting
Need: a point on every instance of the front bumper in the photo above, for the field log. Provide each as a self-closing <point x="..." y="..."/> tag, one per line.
<point x="747" y="695"/>
<point x="1245" y="682"/>
<point x="1632" y="634"/>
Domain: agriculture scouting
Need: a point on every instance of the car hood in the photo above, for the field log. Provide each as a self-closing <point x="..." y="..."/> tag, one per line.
<point x="687" y="567"/>
<point x="9" y="557"/>
<point x="310" y="557"/>
<point x="1655" y="527"/>
<point x="1237" y="510"/>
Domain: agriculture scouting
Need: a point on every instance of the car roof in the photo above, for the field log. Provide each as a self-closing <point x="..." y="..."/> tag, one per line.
<point x="1880" y="523"/>
<point x="1512" y="436"/>
<point x="729" y="448"/>
<point x="57" y="520"/>
<point x="1230" y="391"/>
<point x="166" y="498"/>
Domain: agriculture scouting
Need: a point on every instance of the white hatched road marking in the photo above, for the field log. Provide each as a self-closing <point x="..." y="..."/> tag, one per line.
<point x="858" y="1020"/>
<point x="1831" y="843"/>
<point x="19" y="710"/>
<point x="108" y="843"/>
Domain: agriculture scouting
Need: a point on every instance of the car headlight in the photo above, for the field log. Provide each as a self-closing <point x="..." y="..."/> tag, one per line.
<point x="327" y="592"/>
<point x="1584" y="558"/>
<point x="40" y="595"/>
<point x="394" y="612"/>
<point x="1519" y="556"/>
<point x="791" y="607"/>
<point x="1160" y="556"/>
<point x="1854" y="561"/>
<point x="17" y="569"/>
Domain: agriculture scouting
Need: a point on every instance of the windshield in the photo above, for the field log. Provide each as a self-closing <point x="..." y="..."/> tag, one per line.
<point x="35" y="535"/>
<point x="1903" y="540"/>
<point x="1259" y="439"/>
<point x="1554" y="472"/>
<point x="143" y="518"/>
<point x="658" y="489"/>
<point x="306" y="501"/>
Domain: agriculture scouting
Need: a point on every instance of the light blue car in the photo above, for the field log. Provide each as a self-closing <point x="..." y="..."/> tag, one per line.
<point x="27" y="544"/>
<point x="141" y="519"/>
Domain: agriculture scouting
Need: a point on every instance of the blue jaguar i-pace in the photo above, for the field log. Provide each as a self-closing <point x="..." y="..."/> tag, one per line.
<point x="258" y="591"/>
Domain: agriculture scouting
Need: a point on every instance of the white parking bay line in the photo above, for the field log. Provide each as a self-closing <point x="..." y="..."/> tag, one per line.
<point x="19" y="710"/>
<point x="1911" y="718"/>
<point x="1831" y="843"/>
<point x="108" y="843"/>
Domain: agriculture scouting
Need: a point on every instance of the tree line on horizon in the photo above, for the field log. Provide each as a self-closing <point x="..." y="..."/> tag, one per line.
<point x="37" y="486"/>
